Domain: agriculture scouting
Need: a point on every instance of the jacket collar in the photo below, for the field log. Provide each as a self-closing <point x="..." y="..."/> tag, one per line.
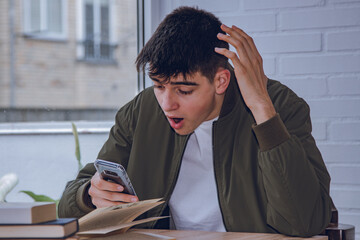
<point x="232" y="97"/>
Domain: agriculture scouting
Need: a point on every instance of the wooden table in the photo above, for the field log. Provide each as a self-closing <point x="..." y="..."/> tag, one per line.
<point x="200" y="235"/>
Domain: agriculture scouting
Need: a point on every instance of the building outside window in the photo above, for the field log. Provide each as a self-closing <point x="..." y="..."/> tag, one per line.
<point x="64" y="60"/>
<point x="44" y="18"/>
<point x="98" y="30"/>
<point x="61" y="61"/>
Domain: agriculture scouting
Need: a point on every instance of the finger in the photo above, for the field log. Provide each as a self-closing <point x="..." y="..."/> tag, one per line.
<point x="239" y="41"/>
<point x="239" y="46"/>
<point x="119" y="197"/>
<point x="253" y="53"/>
<point x="102" y="184"/>
<point x="100" y="202"/>
<point x="110" y="186"/>
<point x="96" y="193"/>
<point x="232" y="56"/>
<point x="250" y="42"/>
<point x="236" y="33"/>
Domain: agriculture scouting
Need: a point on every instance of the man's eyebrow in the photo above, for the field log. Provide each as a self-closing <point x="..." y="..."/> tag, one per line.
<point x="176" y="83"/>
<point x="184" y="83"/>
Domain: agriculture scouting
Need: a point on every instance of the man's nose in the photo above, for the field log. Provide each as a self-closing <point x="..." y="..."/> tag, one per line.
<point x="169" y="102"/>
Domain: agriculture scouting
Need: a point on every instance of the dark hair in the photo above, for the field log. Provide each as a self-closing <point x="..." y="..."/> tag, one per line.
<point x="184" y="43"/>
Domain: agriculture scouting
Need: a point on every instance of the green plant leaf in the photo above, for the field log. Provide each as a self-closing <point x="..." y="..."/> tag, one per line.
<point x="42" y="198"/>
<point x="77" y="146"/>
<point x="39" y="198"/>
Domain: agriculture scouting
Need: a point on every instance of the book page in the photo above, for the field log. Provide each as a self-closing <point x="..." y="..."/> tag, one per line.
<point x="115" y="229"/>
<point x="115" y="215"/>
<point x="127" y="236"/>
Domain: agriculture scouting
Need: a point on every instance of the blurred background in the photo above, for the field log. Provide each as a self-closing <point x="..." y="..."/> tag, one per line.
<point x="64" y="61"/>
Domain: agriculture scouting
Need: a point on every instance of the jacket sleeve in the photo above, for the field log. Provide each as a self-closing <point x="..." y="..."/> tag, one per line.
<point x="75" y="201"/>
<point x="295" y="177"/>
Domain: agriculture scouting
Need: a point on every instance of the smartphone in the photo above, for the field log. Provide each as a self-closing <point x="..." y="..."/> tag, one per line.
<point x="115" y="172"/>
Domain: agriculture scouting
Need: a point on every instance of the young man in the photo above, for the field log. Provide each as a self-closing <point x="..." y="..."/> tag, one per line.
<point x="227" y="148"/>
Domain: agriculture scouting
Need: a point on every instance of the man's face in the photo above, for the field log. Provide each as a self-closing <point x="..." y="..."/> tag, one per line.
<point x="187" y="103"/>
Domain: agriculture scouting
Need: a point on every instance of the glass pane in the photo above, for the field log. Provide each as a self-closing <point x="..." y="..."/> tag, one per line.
<point x="104" y="17"/>
<point x="89" y="30"/>
<point x="63" y="80"/>
<point x="89" y="21"/>
<point x="104" y="2"/>
<point x="35" y="16"/>
<point x="54" y="13"/>
<point x="105" y="48"/>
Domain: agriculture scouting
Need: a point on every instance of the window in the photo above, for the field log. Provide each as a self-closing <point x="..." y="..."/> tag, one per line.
<point x="43" y="87"/>
<point x="44" y="18"/>
<point x="45" y="81"/>
<point x="97" y="28"/>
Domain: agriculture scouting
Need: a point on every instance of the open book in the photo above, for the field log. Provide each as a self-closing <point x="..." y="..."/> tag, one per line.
<point x="115" y="219"/>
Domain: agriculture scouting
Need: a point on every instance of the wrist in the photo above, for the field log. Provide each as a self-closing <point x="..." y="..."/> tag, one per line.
<point x="263" y="112"/>
<point x="83" y="199"/>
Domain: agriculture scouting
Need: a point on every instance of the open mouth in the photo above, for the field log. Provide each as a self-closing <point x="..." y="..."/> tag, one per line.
<point x="177" y="120"/>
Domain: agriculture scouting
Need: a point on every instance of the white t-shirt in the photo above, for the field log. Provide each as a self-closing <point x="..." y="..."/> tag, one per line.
<point x="194" y="204"/>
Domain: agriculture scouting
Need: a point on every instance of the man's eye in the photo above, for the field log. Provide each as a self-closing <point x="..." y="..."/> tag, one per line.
<point x="185" y="92"/>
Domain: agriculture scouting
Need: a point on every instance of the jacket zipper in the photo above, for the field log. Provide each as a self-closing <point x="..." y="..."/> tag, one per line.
<point x="172" y="187"/>
<point x="216" y="176"/>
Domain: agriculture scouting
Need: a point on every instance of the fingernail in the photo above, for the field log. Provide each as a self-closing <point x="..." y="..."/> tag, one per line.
<point x="220" y="34"/>
<point x="120" y="188"/>
<point x="134" y="199"/>
<point x="217" y="49"/>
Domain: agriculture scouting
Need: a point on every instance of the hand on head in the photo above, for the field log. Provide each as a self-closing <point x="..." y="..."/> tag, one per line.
<point x="248" y="67"/>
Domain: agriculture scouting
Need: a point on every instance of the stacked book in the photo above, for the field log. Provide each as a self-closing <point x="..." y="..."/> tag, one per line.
<point x="33" y="220"/>
<point x="37" y="220"/>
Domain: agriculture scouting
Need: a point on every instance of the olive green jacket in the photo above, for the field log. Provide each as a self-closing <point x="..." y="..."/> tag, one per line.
<point x="270" y="177"/>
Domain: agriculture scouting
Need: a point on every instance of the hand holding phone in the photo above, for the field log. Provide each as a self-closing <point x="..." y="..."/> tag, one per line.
<point x="105" y="193"/>
<point x="110" y="185"/>
<point x="114" y="172"/>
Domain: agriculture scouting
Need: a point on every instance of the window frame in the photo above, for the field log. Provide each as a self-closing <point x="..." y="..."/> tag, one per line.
<point x="89" y="127"/>
<point x="42" y="34"/>
<point x="80" y="32"/>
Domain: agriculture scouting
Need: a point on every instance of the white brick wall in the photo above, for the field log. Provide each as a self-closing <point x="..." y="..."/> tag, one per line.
<point x="325" y="17"/>
<point x="343" y="41"/>
<point x="344" y="85"/>
<point x="324" y="64"/>
<point x="313" y="46"/>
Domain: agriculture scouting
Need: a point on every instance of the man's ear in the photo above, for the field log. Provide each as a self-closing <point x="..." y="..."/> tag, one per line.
<point x="222" y="80"/>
